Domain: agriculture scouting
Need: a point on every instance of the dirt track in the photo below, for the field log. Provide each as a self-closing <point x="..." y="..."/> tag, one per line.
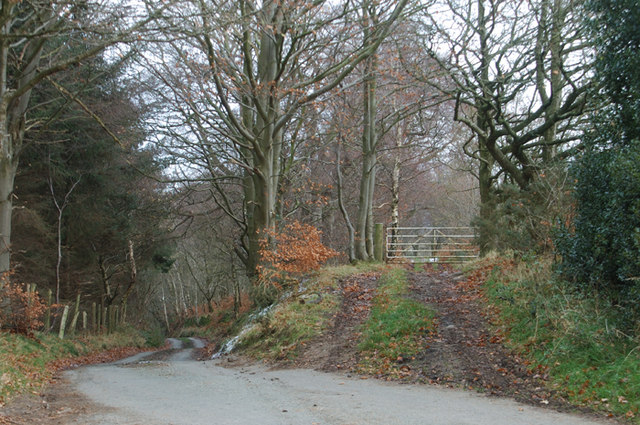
<point x="465" y="352"/>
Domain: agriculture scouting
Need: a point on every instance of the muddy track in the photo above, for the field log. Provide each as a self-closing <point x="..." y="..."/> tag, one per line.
<point x="336" y="349"/>
<point x="465" y="352"/>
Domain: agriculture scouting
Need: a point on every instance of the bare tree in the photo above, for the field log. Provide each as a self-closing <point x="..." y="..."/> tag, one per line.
<point x="60" y="207"/>
<point x="519" y="73"/>
<point x="256" y="66"/>
<point x="394" y="112"/>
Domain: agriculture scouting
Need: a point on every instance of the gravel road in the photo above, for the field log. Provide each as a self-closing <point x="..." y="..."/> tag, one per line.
<point x="179" y="390"/>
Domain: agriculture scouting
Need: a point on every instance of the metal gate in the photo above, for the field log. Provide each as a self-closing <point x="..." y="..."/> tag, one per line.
<point x="431" y="244"/>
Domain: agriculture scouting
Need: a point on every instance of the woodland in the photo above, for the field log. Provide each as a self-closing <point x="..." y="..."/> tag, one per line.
<point x="161" y="156"/>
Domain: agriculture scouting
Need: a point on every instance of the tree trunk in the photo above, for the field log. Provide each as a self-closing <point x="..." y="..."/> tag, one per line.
<point x="556" y="79"/>
<point x="13" y="107"/>
<point x="369" y="239"/>
<point x="261" y="186"/>
<point x="60" y="207"/>
<point x="365" y="203"/>
<point x="364" y="235"/>
<point x="395" y="193"/>
<point x="133" y="278"/>
<point x="482" y="120"/>
<point x="176" y="297"/>
<point x="164" y="307"/>
<point x="270" y="80"/>
<point x="7" y="177"/>
<point x="345" y="214"/>
<point x="236" y="290"/>
<point x="486" y="201"/>
<point x="107" y="294"/>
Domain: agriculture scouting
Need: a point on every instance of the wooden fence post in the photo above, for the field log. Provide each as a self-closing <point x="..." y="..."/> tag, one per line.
<point x="63" y="321"/>
<point x="76" y="313"/>
<point x="31" y="289"/>
<point x="47" y="314"/>
<point x="94" y="317"/>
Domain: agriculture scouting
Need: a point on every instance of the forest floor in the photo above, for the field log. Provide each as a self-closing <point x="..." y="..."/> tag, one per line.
<point x="337" y="348"/>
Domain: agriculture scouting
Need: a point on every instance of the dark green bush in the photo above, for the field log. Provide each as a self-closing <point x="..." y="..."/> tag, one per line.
<point x="602" y="249"/>
<point x="263" y="295"/>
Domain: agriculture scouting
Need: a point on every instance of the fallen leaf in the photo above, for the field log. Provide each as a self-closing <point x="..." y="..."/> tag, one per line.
<point x="5" y="378"/>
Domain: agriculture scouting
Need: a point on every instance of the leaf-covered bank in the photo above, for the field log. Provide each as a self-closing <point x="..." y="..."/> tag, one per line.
<point x="577" y="339"/>
<point x="357" y="318"/>
<point x="27" y="364"/>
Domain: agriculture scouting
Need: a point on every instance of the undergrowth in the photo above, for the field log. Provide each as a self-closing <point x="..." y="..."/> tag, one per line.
<point x="222" y="321"/>
<point x="576" y="336"/>
<point x="26" y="364"/>
<point x="396" y="327"/>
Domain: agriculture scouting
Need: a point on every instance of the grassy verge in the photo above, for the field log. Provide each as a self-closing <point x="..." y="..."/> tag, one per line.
<point x="572" y="336"/>
<point x="291" y="324"/>
<point x="396" y="327"/>
<point x="27" y="364"/>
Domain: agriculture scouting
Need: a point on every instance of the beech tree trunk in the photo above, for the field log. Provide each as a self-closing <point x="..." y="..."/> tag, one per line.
<point x="364" y="228"/>
<point x="262" y="178"/>
<point x="486" y="202"/>
<point x="351" y="249"/>
<point x="486" y="158"/>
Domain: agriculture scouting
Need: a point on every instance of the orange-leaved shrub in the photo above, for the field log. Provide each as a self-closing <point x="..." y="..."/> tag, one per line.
<point x="20" y="309"/>
<point x="291" y="252"/>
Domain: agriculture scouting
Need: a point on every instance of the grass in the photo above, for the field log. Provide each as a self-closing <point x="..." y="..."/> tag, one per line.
<point x="304" y="316"/>
<point x="396" y="327"/>
<point x="26" y="364"/>
<point x="575" y="338"/>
